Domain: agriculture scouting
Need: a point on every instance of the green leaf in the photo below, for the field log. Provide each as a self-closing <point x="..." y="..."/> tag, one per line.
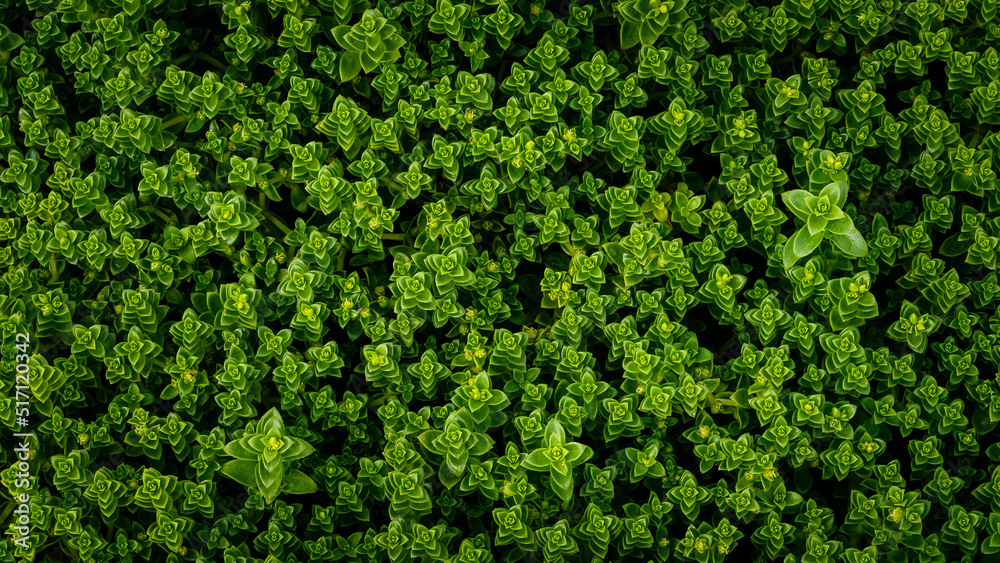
<point x="796" y="202"/>
<point x="554" y="432"/>
<point x="537" y="461"/>
<point x="578" y="453"/>
<point x="298" y="483"/>
<point x="427" y="439"/>
<point x="242" y="471"/>
<point x="239" y="450"/>
<point x="788" y="257"/>
<point x="803" y="243"/>
<point x="842" y="226"/>
<point x="853" y="245"/>
<point x="816" y="225"/>
<point x="350" y="66"/>
<point x="269" y="477"/>
<point x="298" y="450"/>
<point x="630" y="35"/>
<point x="563" y="485"/>
<point x="954" y="246"/>
<point x="836" y="191"/>
<point x="481" y="444"/>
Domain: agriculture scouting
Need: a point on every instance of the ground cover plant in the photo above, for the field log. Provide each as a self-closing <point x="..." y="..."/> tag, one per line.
<point x="499" y="280"/>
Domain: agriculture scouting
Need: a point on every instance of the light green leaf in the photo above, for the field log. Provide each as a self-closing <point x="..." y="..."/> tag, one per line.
<point x="554" y="433"/>
<point x="448" y="475"/>
<point x="271" y="423"/>
<point x="298" y="483"/>
<point x="298" y="450"/>
<point x="456" y="463"/>
<point x="241" y="471"/>
<point x="851" y="244"/>
<point x="796" y="200"/>
<point x="481" y="444"/>
<point x="816" y="225"/>
<point x="629" y="35"/>
<point x="340" y="36"/>
<point x="537" y="461"/>
<point x="562" y="485"/>
<point x="804" y="243"/>
<point x="269" y="477"/>
<point x="578" y="453"/>
<point x="367" y="62"/>
<point x="837" y="192"/>
<point x="271" y="493"/>
<point x="350" y="66"/>
<point x="239" y="450"/>
<point x="788" y="257"/>
<point x="427" y="440"/>
<point x="842" y="226"/>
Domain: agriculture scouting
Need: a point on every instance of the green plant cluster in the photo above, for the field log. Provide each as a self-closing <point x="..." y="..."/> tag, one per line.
<point x="502" y="280"/>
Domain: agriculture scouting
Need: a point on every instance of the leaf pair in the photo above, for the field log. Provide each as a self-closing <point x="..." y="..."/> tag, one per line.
<point x="262" y="457"/>
<point x="558" y="457"/>
<point x="824" y="219"/>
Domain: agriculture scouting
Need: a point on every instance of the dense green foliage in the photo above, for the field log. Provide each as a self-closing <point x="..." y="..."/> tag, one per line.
<point x="501" y="280"/>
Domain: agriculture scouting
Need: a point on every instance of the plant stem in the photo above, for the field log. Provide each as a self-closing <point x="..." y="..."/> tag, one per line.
<point x="53" y="269"/>
<point x="393" y="236"/>
<point x="174" y="121"/>
<point x="277" y="222"/>
<point x="341" y="258"/>
<point x="294" y="186"/>
<point x="394" y="185"/>
<point x="975" y="140"/>
<point x="970" y="28"/>
<point x="184" y="57"/>
<point x="7" y="512"/>
<point x="277" y="180"/>
<point x="376" y="403"/>
<point x="158" y="213"/>
<point x="212" y="61"/>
